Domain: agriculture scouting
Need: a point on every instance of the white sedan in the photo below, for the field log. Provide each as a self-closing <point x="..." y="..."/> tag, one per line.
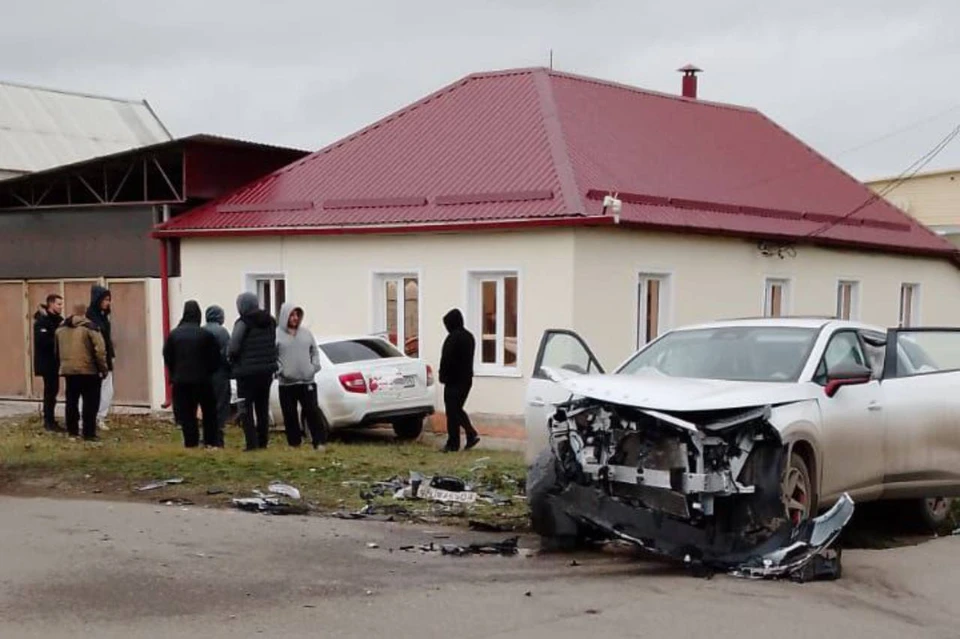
<point x="365" y="380"/>
<point x="718" y="429"/>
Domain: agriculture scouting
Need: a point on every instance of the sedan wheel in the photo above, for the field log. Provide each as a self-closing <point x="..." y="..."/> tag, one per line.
<point x="796" y="490"/>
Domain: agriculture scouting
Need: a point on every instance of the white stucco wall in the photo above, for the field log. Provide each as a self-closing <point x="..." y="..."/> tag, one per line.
<point x="332" y="277"/>
<point x="722" y="278"/>
<point x="585" y="279"/>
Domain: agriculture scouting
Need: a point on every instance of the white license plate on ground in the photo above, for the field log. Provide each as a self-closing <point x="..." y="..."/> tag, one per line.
<point x="436" y="494"/>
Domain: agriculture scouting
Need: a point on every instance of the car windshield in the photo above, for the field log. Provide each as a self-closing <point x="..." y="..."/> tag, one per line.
<point x="740" y="353"/>
<point x="358" y="350"/>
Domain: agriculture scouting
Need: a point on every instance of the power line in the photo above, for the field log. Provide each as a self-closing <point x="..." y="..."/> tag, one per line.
<point x="905" y="175"/>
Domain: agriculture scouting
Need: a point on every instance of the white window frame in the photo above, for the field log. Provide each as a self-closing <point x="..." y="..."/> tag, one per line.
<point x="664" y="319"/>
<point x="854" y="298"/>
<point x="914" y="319"/>
<point x="786" y="299"/>
<point x="378" y="315"/>
<point x="473" y="307"/>
<point x="250" y="285"/>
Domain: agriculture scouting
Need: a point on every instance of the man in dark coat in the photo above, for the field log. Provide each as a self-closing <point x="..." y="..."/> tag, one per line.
<point x="46" y="321"/>
<point x="253" y="362"/>
<point x="221" y="379"/>
<point x="192" y="356"/>
<point x="99" y="314"/>
<point x="456" y="375"/>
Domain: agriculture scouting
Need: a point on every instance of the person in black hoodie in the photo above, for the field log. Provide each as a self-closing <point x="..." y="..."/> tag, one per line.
<point x="193" y="356"/>
<point x="456" y="375"/>
<point x="99" y="313"/>
<point x="46" y="321"/>
<point x="221" y="380"/>
<point x="253" y="361"/>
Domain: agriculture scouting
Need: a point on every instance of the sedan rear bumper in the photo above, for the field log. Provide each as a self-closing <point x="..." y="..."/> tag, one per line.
<point x="390" y="416"/>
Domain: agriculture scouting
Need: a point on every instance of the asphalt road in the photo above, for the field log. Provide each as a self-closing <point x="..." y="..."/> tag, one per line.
<point x="100" y="569"/>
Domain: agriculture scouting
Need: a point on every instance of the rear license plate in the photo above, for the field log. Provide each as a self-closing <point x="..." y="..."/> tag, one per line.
<point x="410" y="381"/>
<point x="436" y="494"/>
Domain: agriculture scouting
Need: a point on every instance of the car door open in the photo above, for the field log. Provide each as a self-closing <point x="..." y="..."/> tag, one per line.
<point x="561" y="353"/>
<point x="921" y="379"/>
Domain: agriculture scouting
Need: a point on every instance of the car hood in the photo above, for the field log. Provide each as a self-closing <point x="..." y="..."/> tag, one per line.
<point x="683" y="394"/>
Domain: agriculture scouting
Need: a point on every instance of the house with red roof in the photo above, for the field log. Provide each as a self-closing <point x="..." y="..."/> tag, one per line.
<point x="535" y="199"/>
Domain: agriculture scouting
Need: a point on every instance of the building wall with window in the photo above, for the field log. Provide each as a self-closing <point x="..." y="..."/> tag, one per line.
<point x="510" y="286"/>
<point x="703" y="278"/>
<point x="618" y="288"/>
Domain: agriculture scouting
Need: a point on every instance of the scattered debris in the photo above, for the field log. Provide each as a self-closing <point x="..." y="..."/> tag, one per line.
<point x="574" y="563"/>
<point x="591" y="611"/>
<point x="373" y="545"/>
<point x="215" y="491"/>
<point x="506" y="547"/>
<point x="176" y="501"/>
<point x="286" y="490"/>
<point x="270" y="505"/>
<point x="528" y="594"/>
<point x="158" y="484"/>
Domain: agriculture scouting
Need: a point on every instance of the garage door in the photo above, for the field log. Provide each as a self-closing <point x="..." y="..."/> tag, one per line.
<point x="128" y="327"/>
<point x="13" y="342"/>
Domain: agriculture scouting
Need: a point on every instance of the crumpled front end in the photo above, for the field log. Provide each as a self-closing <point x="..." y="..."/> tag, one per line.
<point x="702" y="488"/>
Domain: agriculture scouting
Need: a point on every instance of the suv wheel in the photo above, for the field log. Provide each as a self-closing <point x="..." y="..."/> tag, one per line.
<point x="408" y="428"/>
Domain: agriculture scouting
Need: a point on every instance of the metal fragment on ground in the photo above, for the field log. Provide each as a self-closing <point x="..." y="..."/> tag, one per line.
<point x="160" y="484"/>
<point x="278" y="488"/>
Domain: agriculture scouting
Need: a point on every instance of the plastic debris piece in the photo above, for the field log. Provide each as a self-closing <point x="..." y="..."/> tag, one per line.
<point x="158" y="484"/>
<point x="373" y="545"/>
<point x="269" y="506"/>
<point x="286" y="490"/>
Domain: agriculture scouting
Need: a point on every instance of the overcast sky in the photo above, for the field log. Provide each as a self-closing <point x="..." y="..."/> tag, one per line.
<point x="307" y="72"/>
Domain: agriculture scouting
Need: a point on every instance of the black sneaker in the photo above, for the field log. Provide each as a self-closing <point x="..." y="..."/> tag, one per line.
<point x="471" y="442"/>
<point x="447" y="449"/>
<point x="94" y="438"/>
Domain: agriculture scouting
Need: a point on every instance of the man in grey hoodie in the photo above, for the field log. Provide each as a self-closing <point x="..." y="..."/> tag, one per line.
<point x="299" y="363"/>
<point x="221" y="379"/>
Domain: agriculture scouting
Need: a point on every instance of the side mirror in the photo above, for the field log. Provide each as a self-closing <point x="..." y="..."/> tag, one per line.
<point x="846" y="375"/>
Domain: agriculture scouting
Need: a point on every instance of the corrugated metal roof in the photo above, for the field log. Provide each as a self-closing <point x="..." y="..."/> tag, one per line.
<point x="561" y="136"/>
<point x="43" y="128"/>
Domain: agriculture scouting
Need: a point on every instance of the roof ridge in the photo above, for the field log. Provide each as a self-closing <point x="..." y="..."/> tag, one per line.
<point x="648" y="92"/>
<point x="559" y="150"/>
<point x="80" y="94"/>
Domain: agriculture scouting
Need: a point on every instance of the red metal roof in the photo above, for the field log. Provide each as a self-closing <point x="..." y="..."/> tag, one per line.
<point x="535" y="145"/>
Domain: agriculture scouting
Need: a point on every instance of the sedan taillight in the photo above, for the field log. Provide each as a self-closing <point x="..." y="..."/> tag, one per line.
<point x="429" y="375"/>
<point x="353" y="383"/>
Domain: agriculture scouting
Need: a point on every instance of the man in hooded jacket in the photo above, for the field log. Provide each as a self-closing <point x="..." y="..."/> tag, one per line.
<point x="456" y="374"/>
<point x="221" y="379"/>
<point x="46" y="321"/>
<point x="253" y="361"/>
<point x="99" y="314"/>
<point x="82" y="354"/>
<point x="192" y="356"/>
<point x="299" y="361"/>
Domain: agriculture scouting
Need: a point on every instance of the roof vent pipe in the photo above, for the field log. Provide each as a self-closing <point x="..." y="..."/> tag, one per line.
<point x="689" y="87"/>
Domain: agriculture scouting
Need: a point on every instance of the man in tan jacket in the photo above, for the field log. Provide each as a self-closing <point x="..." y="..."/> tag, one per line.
<point x="83" y="363"/>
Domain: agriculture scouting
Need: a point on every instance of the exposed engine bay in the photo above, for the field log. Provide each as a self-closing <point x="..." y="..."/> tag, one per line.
<point x="701" y="488"/>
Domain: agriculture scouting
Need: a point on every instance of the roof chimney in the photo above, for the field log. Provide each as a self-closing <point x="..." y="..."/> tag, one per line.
<point x="690" y="81"/>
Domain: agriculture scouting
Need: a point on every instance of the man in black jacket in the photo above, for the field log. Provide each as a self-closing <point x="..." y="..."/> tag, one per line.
<point x="253" y="361"/>
<point x="456" y="375"/>
<point x="192" y="356"/>
<point x="99" y="313"/>
<point x="46" y="321"/>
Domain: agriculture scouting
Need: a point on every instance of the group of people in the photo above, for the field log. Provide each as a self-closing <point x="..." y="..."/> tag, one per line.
<point x="79" y="349"/>
<point x="201" y="359"/>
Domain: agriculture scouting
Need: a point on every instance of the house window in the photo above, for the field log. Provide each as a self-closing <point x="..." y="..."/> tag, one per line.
<point x="271" y="292"/>
<point x="495" y="313"/>
<point x="848" y="300"/>
<point x="776" y="297"/>
<point x="397" y="309"/>
<point x="909" y="305"/>
<point x="651" y="307"/>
